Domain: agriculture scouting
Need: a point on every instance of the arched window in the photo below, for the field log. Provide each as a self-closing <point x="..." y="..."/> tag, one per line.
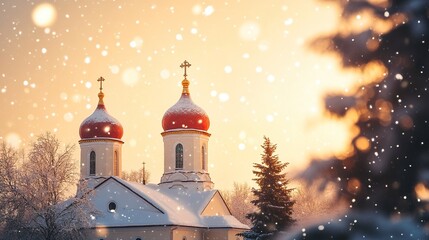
<point x="92" y="163"/>
<point x="116" y="164"/>
<point x="179" y="156"/>
<point x="203" y="158"/>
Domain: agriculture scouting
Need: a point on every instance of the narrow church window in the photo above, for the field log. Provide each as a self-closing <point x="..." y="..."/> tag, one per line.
<point x="203" y="158"/>
<point x="116" y="164"/>
<point x="92" y="163"/>
<point x="179" y="156"/>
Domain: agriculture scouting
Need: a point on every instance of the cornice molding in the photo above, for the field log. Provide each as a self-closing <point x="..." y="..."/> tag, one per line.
<point x="185" y="131"/>
<point x="100" y="140"/>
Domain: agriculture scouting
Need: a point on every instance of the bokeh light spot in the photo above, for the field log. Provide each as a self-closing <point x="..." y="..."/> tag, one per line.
<point x="249" y="31"/>
<point x="271" y="78"/>
<point x="194" y="31"/>
<point x="44" y="15"/>
<point x="137" y="42"/>
<point x="228" y="69"/>
<point x="288" y="21"/>
<point x="130" y="77"/>
<point x="242" y="135"/>
<point x="209" y="10"/>
<point x="114" y="69"/>
<point x="241" y="146"/>
<point x="63" y="96"/>
<point x="196" y="9"/>
<point x="362" y="143"/>
<point x="223" y="97"/>
<point x="133" y="142"/>
<point x="165" y="74"/>
<point x="68" y="117"/>
<point x="14" y="140"/>
<point x="263" y="46"/>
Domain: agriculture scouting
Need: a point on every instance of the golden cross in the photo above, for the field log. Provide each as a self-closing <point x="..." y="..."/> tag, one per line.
<point x="185" y="64"/>
<point x="101" y="80"/>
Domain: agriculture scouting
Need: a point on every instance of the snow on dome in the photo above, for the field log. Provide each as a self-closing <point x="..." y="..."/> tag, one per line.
<point x="185" y="114"/>
<point x="100" y="124"/>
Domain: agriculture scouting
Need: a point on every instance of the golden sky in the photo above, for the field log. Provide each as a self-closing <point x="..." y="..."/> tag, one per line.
<point x="252" y="71"/>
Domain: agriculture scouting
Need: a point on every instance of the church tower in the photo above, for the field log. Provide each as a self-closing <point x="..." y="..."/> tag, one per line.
<point x="186" y="143"/>
<point x="100" y="144"/>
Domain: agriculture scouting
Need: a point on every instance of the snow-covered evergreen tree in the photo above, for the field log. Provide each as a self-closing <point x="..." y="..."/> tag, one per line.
<point x="272" y="197"/>
<point x="386" y="174"/>
<point x="389" y="160"/>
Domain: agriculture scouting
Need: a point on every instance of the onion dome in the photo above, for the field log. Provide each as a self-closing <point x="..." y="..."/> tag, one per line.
<point x="185" y="114"/>
<point x="100" y="124"/>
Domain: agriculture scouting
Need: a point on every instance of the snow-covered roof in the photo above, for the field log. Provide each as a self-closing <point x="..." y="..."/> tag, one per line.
<point x="100" y="114"/>
<point x="185" y="105"/>
<point x="153" y="205"/>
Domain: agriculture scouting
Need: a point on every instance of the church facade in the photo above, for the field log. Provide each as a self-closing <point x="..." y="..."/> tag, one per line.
<point x="183" y="206"/>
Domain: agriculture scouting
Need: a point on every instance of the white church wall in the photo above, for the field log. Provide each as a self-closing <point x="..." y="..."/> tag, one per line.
<point x="105" y="153"/>
<point x="222" y="234"/>
<point x="188" y="233"/>
<point x="130" y="233"/>
<point x="162" y="233"/>
<point x="216" y="207"/>
<point x="130" y="210"/>
<point x="192" y="143"/>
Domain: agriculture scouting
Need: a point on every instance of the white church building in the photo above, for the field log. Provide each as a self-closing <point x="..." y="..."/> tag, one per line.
<point x="183" y="206"/>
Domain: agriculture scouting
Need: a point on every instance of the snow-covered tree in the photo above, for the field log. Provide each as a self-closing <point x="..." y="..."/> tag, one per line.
<point x="313" y="204"/>
<point x="9" y="206"/>
<point x="136" y="175"/>
<point x="35" y="194"/>
<point x="273" y="198"/>
<point x="239" y="201"/>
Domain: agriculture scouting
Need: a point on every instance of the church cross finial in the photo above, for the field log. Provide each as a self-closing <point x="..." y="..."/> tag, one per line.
<point x="185" y="65"/>
<point x="101" y="80"/>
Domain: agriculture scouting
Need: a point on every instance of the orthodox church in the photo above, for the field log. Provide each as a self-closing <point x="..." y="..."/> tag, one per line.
<point x="183" y="206"/>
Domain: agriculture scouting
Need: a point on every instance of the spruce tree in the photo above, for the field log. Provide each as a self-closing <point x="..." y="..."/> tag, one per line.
<point x="272" y="198"/>
<point x="384" y="179"/>
<point x="389" y="162"/>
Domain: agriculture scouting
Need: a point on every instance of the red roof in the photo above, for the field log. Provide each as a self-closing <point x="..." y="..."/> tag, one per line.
<point x="100" y="125"/>
<point x="185" y="114"/>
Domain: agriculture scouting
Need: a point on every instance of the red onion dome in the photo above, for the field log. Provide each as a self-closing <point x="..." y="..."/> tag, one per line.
<point x="100" y="124"/>
<point x="185" y="114"/>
